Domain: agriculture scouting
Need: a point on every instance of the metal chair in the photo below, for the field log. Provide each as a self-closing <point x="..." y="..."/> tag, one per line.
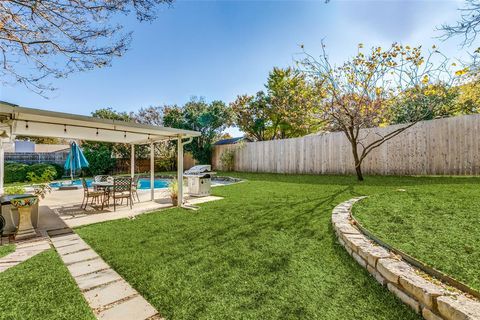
<point x="135" y="187"/>
<point x="87" y="193"/>
<point x="122" y="189"/>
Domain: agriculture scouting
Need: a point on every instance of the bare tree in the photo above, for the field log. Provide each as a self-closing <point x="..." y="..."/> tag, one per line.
<point x="359" y="93"/>
<point x="44" y="39"/>
<point x="468" y="25"/>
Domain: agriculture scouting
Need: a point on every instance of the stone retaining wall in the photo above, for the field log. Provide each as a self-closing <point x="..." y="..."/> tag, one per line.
<point x="428" y="297"/>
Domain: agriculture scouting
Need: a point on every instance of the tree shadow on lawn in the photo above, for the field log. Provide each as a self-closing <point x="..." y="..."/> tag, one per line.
<point x="305" y="223"/>
<point x="261" y="252"/>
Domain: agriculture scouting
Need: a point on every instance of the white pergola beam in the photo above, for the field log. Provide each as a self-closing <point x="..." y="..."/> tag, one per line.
<point x="36" y="129"/>
<point x="152" y="171"/>
<point x="180" y="171"/>
<point x="132" y="161"/>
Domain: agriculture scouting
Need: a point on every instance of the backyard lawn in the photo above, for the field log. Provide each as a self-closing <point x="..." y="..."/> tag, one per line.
<point x="438" y="224"/>
<point x="41" y="288"/>
<point x="6" y="249"/>
<point x="267" y="251"/>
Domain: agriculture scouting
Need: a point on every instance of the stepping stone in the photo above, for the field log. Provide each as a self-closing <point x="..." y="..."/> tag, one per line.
<point x="92" y="280"/>
<point x="134" y="309"/>
<point x="25" y="245"/>
<point x="64" y="237"/>
<point x="85" y="267"/>
<point x="73" y="248"/>
<point x="36" y="247"/>
<point x="79" y="256"/>
<point x="108" y="294"/>
<point x="23" y="251"/>
<point x="8" y="264"/>
<point x="64" y="241"/>
<point x="62" y="231"/>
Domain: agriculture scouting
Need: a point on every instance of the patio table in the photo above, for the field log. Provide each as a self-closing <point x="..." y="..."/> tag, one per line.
<point x="105" y="185"/>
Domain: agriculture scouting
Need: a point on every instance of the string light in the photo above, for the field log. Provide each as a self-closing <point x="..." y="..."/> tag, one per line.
<point x="97" y="132"/>
<point x="26" y="124"/>
<point x="125" y="134"/>
<point x="65" y="128"/>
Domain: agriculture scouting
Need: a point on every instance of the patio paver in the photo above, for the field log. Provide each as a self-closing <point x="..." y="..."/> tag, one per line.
<point x="106" y="292"/>
<point x="61" y="209"/>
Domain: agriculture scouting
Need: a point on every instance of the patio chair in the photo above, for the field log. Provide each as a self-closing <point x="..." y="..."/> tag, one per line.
<point x="122" y="189"/>
<point x="95" y="195"/>
<point x="135" y="187"/>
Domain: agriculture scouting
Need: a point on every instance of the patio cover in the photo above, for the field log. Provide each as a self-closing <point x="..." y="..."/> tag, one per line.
<point x="16" y="120"/>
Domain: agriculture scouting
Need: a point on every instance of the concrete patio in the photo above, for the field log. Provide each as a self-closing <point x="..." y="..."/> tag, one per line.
<point x="61" y="209"/>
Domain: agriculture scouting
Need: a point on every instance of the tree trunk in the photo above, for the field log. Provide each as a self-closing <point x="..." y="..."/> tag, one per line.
<point x="358" y="169"/>
<point x="358" y="162"/>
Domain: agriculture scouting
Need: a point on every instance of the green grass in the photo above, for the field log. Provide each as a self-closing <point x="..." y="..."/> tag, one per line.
<point x="267" y="251"/>
<point x="41" y="288"/>
<point x="438" y="224"/>
<point x="6" y="249"/>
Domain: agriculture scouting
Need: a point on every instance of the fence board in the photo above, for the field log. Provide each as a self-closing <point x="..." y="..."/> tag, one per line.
<point x="441" y="146"/>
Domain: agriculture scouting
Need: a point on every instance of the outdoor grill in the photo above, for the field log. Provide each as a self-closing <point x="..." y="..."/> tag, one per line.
<point x="199" y="180"/>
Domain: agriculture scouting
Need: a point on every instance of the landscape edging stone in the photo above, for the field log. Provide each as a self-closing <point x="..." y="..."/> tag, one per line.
<point x="433" y="300"/>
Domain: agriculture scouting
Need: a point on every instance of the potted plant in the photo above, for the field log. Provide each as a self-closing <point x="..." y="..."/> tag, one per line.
<point x="41" y="184"/>
<point x="173" y="190"/>
<point x="24" y="206"/>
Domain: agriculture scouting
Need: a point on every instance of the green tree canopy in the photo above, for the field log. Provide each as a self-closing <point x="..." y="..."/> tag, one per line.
<point x="100" y="155"/>
<point x="210" y="119"/>
<point x="285" y="109"/>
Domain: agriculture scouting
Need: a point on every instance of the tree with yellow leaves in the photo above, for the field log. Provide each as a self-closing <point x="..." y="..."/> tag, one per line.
<point x="359" y="93"/>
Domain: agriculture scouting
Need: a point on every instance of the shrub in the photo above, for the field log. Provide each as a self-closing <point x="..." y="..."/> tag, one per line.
<point x="227" y="160"/>
<point x="14" y="190"/>
<point x="60" y="171"/>
<point x="99" y="156"/>
<point x="39" y="170"/>
<point x="15" y="172"/>
<point x="47" y="175"/>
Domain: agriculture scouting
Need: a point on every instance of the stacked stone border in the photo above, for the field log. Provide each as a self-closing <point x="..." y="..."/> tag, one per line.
<point x="427" y="296"/>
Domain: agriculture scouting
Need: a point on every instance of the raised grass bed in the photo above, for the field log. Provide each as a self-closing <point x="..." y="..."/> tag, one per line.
<point x="438" y="224"/>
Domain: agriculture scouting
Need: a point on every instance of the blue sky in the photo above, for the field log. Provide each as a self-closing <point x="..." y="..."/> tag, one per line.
<point x="219" y="49"/>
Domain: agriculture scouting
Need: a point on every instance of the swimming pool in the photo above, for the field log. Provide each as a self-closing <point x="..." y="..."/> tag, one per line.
<point x="144" y="183"/>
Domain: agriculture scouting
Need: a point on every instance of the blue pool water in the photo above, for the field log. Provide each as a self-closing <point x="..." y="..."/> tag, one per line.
<point x="144" y="183"/>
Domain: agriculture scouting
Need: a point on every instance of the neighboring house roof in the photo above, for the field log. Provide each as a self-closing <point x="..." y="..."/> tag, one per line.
<point x="38" y="148"/>
<point x="230" y="141"/>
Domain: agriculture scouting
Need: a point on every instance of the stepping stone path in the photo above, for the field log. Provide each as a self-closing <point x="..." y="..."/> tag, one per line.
<point x="24" y="250"/>
<point x="107" y="293"/>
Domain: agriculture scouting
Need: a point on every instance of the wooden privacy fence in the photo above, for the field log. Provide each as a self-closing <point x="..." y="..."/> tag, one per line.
<point x="447" y="146"/>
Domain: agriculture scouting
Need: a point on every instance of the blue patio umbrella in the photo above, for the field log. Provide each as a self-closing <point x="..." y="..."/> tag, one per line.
<point x="75" y="159"/>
